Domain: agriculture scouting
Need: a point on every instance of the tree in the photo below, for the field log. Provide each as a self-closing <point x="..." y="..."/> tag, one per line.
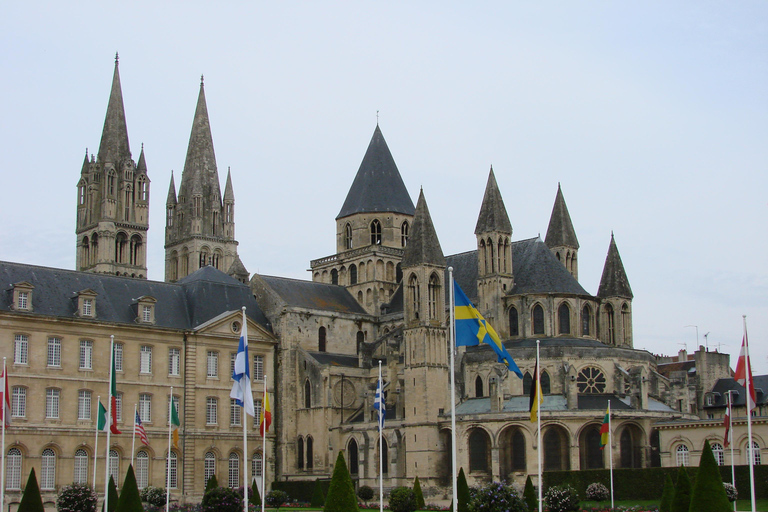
<point x="462" y="491"/>
<point x="77" y="498"/>
<point x="418" y="493"/>
<point x="708" y="492"/>
<point x="255" y="497"/>
<point x="276" y="498"/>
<point x="681" y="500"/>
<point x="341" y="494"/>
<point x="212" y="483"/>
<point x="31" y="501"/>
<point x="497" y="497"/>
<point x="530" y="496"/>
<point x="112" y="493"/>
<point x="153" y="495"/>
<point x="667" y="495"/>
<point x="365" y="493"/>
<point x="130" y="499"/>
<point x="222" y="499"/>
<point x="402" y="499"/>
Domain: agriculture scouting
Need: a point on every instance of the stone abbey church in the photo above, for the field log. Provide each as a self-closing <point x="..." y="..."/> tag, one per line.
<point x="382" y="297"/>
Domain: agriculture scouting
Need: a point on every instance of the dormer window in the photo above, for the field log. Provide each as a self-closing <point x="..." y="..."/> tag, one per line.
<point x="22" y="296"/>
<point x="87" y="307"/>
<point x="145" y="309"/>
<point x="86" y="304"/>
<point x="146" y="313"/>
<point x="23" y="300"/>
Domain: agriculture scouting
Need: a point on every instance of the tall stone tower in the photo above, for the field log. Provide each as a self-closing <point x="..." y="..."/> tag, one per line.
<point x="199" y="223"/>
<point x="561" y="237"/>
<point x="494" y="252"/>
<point x="615" y="294"/>
<point x="113" y="200"/>
<point x="372" y="230"/>
<point x="426" y="357"/>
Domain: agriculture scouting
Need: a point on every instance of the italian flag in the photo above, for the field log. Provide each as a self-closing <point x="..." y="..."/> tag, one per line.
<point x="113" y="396"/>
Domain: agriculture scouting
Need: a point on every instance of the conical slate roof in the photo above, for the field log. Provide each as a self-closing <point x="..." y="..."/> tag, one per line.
<point x="493" y="215"/>
<point x="614" y="282"/>
<point x="86" y="165"/>
<point x="560" y="232"/>
<point x="423" y="245"/>
<point x="378" y="186"/>
<point x="171" y="201"/>
<point x="229" y="193"/>
<point x="141" y="167"/>
<point x="114" y="145"/>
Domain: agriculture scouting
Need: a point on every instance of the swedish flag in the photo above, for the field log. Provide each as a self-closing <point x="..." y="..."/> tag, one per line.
<point x="472" y="329"/>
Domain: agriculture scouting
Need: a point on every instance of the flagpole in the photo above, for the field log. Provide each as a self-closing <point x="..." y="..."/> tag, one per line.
<point x="749" y="386"/>
<point x="96" y="442"/>
<point x="2" y="446"/>
<point x="610" y="449"/>
<point x="168" y="458"/>
<point x="538" y="424"/>
<point x="452" y="347"/>
<point x="381" y="443"/>
<point x="729" y="441"/>
<point x="108" y="423"/>
<point x="133" y="441"/>
<point x="264" y="447"/>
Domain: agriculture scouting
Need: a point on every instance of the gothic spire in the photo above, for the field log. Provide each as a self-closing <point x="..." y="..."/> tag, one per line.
<point x="493" y="215"/>
<point x="423" y="244"/>
<point x="560" y="232"/>
<point x="141" y="167"/>
<point x="114" y="145"/>
<point x="229" y="193"/>
<point x="171" y="201"/>
<point x="378" y="186"/>
<point x="86" y="166"/>
<point x="614" y="282"/>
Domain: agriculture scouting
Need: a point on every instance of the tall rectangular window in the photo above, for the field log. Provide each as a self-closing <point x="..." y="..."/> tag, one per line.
<point x="23" y="300"/>
<point x="81" y="467"/>
<point x="142" y="469"/>
<point x="84" y="405"/>
<point x="87" y="307"/>
<point x="235" y="413"/>
<point x="145" y="407"/>
<point x="174" y="361"/>
<point x="146" y="313"/>
<point x="119" y="407"/>
<point x="52" y="403"/>
<point x="211" y="410"/>
<point x="232" y="359"/>
<point x="21" y="349"/>
<point x="213" y="363"/>
<point x="19" y="403"/>
<point x="13" y="470"/>
<point x="118" y="357"/>
<point x="257" y="413"/>
<point x="86" y="355"/>
<point x="258" y="367"/>
<point x="54" y="352"/>
<point x="145" y="362"/>
<point x="170" y="470"/>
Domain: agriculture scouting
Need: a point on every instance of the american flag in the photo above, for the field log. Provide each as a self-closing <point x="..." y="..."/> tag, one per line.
<point x="138" y="429"/>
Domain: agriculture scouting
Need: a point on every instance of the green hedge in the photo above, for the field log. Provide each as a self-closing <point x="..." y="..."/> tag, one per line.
<point x="648" y="483"/>
<point x="300" y="490"/>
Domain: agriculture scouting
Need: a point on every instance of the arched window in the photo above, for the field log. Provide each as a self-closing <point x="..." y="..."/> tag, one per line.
<point x="348" y="236"/>
<point x="479" y="387"/>
<point x="257" y="465"/>
<point x="753" y="451"/>
<point x="307" y="394"/>
<point x="545" y="387"/>
<point x="114" y="465"/>
<point x="592" y="455"/>
<point x="85" y="253"/>
<point x="483" y="258"/>
<point x="609" y="322"/>
<point x="13" y="470"/>
<point x="384" y="457"/>
<point x="555" y="450"/>
<point x="414" y="295"/>
<point x="353" y="274"/>
<point x="142" y="469"/>
<point x="171" y="470"/>
<point x="360" y="341"/>
<point x="375" y="232"/>
<point x="586" y="313"/>
<point x="300" y="452"/>
<point x="434" y="293"/>
<point x="564" y="316"/>
<point x="81" y="467"/>
<point x="538" y="319"/>
<point x="121" y="248"/>
<point x="354" y="465"/>
<point x="310" y="455"/>
<point x="334" y="276"/>
<point x="398" y="273"/>
<point x="681" y="455"/>
<point x="514" y="330"/>
<point x="478" y="451"/>
<point x="626" y="327"/>
<point x="234" y="471"/>
<point x="321" y="339"/>
<point x="209" y="467"/>
<point x="718" y="452"/>
<point x="94" y="248"/>
<point x="629" y="446"/>
<point x="136" y="245"/>
<point x="527" y="383"/>
<point x="48" y="470"/>
<point x="404" y="234"/>
<point x="518" y="451"/>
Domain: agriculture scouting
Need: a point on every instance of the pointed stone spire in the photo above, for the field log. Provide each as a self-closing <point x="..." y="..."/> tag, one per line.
<point x="560" y="232"/>
<point x="114" y="145"/>
<point x="378" y="186"/>
<point x="614" y="282"/>
<point x="86" y="164"/>
<point x="171" y="201"/>
<point x="423" y="244"/>
<point x="229" y="193"/>
<point x="493" y="215"/>
<point x="141" y="167"/>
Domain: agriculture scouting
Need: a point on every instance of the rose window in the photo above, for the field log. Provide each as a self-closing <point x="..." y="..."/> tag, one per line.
<point x="591" y="380"/>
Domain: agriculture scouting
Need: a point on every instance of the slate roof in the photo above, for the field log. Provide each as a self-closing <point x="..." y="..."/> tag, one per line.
<point x="114" y="146"/>
<point x="395" y="304"/>
<point x="423" y="244"/>
<point x="595" y="403"/>
<point x="186" y="304"/>
<point x="327" y="358"/>
<point x="614" y="282"/>
<point x="722" y="386"/>
<point x="493" y="214"/>
<point x="536" y="270"/>
<point x="312" y="295"/>
<point x="465" y="271"/>
<point x="378" y="186"/>
<point x="666" y="369"/>
<point x="560" y="231"/>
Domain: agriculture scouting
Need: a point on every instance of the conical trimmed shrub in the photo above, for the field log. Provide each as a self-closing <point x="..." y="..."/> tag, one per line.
<point x="212" y="483"/>
<point x="256" y="497"/>
<point x="419" y="495"/>
<point x="462" y="492"/>
<point x="667" y="495"/>
<point x="530" y="497"/>
<point x="31" y="501"/>
<point x="130" y="499"/>
<point x="318" y="500"/>
<point x="708" y="493"/>
<point x="112" y="490"/>
<point x="341" y="494"/>
<point x="681" y="501"/>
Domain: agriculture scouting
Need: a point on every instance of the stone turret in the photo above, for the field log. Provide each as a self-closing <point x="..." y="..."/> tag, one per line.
<point x="616" y="301"/>
<point x="561" y="237"/>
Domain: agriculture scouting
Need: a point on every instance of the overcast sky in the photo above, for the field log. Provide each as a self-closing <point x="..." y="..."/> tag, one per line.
<point x="651" y="115"/>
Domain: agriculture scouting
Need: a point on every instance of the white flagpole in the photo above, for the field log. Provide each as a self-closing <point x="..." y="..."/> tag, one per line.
<point x="109" y="422"/>
<point x="730" y="441"/>
<point x="381" y="442"/>
<point x="2" y="445"/>
<point x="749" y="384"/>
<point x="168" y="458"/>
<point x="452" y="348"/>
<point x="96" y="442"/>
<point x="133" y="441"/>
<point x="264" y="448"/>
<point x="538" y="423"/>
<point x="610" y="450"/>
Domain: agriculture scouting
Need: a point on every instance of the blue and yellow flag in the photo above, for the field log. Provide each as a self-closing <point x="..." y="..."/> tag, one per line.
<point x="472" y="329"/>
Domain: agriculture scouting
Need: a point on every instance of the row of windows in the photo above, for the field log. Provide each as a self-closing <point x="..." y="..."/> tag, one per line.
<point x="235" y="412"/>
<point x="375" y="232"/>
<point x="564" y="321"/>
<point x="682" y="452"/>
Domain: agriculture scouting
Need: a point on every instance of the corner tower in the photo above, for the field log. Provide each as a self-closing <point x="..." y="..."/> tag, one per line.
<point x="199" y="225"/>
<point x="113" y="200"/>
<point x="561" y="237"/>
<point x="372" y="230"/>
<point x="616" y="301"/>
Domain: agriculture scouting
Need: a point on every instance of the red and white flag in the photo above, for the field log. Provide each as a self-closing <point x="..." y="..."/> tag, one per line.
<point x="743" y="374"/>
<point x="727" y="424"/>
<point x="138" y="429"/>
<point x="5" y="398"/>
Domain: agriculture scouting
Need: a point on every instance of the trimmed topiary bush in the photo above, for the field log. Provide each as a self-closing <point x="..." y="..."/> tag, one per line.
<point x="112" y="502"/>
<point x="253" y="494"/>
<point x="222" y="499"/>
<point x="153" y="495"/>
<point x="731" y="492"/>
<point x="341" y="494"/>
<point x="130" y="499"/>
<point x="365" y="493"/>
<point x="597" y="492"/>
<point x="561" y="498"/>
<point x="402" y="499"/>
<point x="708" y="493"/>
<point x="667" y="495"/>
<point x="276" y="498"/>
<point x="418" y="493"/>
<point x="496" y="497"/>
<point x="530" y="496"/>
<point x="31" y="501"/>
<point x="212" y="483"/>
<point x="77" y="498"/>
<point x="681" y="500"/>
<point x="462" y="492"/>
